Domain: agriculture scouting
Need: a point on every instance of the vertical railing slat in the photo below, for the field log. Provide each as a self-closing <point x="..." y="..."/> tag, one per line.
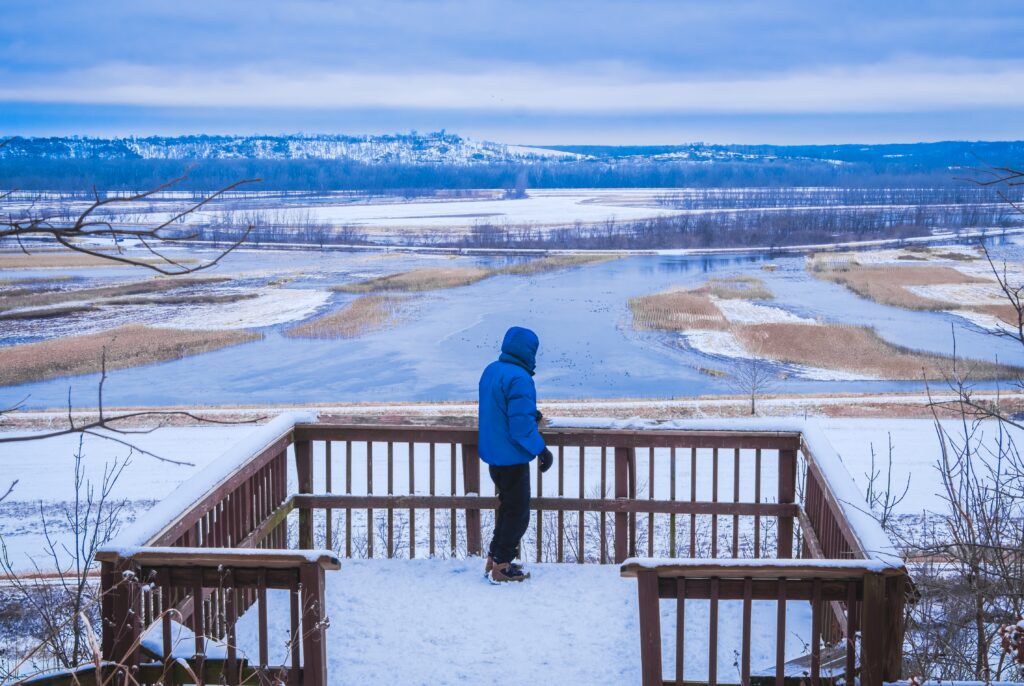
<point x="412" y="491"/>
<point x="432" y="516"/>
<point x="581" y="522"/>
<point x="713" y="634"/>
<point x="816" y="611"/>
<point x="680" y="630"/>
<point x="748" y="596"/>
<point x="780" y="634"/>
<point x="560" y="546"/>
<point x="328" y="513"/>
<point x="757" y="499"/>
<point x="714" y="499"/>
<point x="391" y="491"/>
<point x="736" y="499"/>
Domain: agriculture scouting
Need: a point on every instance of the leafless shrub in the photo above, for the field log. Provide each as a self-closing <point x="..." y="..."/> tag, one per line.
<point x="64" y="598"/>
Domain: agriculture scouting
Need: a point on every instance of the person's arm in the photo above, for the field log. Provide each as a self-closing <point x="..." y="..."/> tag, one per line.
<point x="522" y="415"/>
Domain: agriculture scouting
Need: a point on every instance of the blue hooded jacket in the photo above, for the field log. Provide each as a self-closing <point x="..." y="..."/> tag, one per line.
<point x="508" y="403"/>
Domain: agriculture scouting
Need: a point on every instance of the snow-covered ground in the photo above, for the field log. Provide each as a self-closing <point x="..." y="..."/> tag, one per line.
<point x="541" y="208"/>
<point x="441" y="622"/>
<point x="270" y="306"/>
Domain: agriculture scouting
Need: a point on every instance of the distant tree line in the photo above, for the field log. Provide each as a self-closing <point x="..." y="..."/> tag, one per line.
<point x="412" y="180"/>
<point x="728" y="229"/>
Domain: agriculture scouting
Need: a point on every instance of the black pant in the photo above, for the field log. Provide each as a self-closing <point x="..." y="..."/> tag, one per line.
<point x="513" y="517"/>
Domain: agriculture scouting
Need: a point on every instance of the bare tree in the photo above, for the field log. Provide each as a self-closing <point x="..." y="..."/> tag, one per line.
<point x="971" y="575"/>
<point x="753" y="377"/>
<point x="882" y="499"/>
<point x="94" y="225"/>
<point x="62" y="598"/>
<point x="94" y="232"/>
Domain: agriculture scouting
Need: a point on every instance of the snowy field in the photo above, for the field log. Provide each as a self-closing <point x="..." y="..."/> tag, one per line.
<point x="540" y="209"/>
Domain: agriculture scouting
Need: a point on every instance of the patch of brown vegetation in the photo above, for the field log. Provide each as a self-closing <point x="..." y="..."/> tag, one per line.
<point x="69" y="259"/>
<point x="126" y="346"/>
<point x="855" y="349"/>
<point x="676" y="311"/>
<point x="1003" y="311"/>
<point x="91" y="295"/>
<point x="361" y="316"/>
<point x="183" y="299"/>
<point x="555" y="262"/>
<point x="737" y="288"/>
<point x="955" y="256"/>
<point x="887" y="284"/>
<point x="423" y="279"/>
<point x="436" y="278"/>
<point x="46" y="312"/>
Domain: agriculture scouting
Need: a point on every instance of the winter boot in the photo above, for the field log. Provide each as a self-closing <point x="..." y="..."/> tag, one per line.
<point x="506" y="571"/>
<point x="489" y="565"/>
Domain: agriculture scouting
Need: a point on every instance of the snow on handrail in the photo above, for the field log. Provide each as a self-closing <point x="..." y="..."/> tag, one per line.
<point x="143" y="529"/>
<point x="743" y="566"/>
<point x="873" y="540"/>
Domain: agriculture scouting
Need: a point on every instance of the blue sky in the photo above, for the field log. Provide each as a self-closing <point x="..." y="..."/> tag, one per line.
<point x="777" y="71"/>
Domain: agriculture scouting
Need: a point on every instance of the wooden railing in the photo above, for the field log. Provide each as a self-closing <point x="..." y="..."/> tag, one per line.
<point x="608" y="491"/>
<point x="859" y="585"/>
<point x="408" y="491"/>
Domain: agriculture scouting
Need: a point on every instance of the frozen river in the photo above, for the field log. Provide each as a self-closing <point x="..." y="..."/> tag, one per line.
<point x="589" y="348"/>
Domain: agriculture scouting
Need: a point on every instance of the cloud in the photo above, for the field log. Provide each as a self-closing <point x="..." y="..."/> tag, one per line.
<point x="893" y="87"/>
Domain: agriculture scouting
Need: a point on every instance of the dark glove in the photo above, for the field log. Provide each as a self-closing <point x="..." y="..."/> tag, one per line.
<point x="539" y="415"/>
<point x="546" y="459"/>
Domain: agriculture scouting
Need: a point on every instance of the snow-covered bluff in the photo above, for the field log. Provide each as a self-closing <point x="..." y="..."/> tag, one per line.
<point x="428" y="148"/>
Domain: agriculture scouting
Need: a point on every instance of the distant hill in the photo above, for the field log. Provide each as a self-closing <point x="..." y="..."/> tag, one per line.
<point x="430" y="148"/>
<point x="418" y="163"/>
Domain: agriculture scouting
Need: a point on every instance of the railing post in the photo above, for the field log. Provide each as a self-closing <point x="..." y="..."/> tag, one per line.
<point x="895" y="592"/>
<point x="787" y="494"/>
<point x="873" y="622"/>
<point x="650" y="627"/>
<point x="471" y="484"/>
<point x="121" y="618"/>
<point x="314" y="626"/>
<point x="304" y="471"/>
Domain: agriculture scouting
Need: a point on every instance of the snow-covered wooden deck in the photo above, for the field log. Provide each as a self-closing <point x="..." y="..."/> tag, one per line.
<point x="441" y="622"/>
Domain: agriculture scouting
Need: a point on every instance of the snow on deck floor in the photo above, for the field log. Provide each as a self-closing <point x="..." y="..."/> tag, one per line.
<point x="441" y="622"/>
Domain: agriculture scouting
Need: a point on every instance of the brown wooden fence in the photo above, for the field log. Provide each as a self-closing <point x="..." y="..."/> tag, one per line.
<point x="387" y="491"/>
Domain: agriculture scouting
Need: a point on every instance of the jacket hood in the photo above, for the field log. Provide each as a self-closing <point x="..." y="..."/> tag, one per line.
<point x="520" y="347"/>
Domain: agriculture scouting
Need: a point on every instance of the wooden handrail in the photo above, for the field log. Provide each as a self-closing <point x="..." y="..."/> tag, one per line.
<point x="760" y="569"/>
<point x="226" y="557"/>
<point x="628" y="438"/>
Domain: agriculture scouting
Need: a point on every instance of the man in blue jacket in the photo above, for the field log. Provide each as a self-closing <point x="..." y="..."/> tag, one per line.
<point x="508" y="441"/>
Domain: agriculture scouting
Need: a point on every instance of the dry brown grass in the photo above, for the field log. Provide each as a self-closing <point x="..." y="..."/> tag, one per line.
<point x="676" y="311"/>
<point x="51" y="298"/>
<point x="1003" y="311"/>
<point x="553" y="263"/>
<point x="60" y="260"/>
<point x="855" y="349"/>
<point x="436" y="278"/>
<point x="46" y="312"/>
<point x="126" y="346"/>
<point x="361" y="316"/>
<point x="887" y="284"/>
<point x="183" y="299"/>
<point x="34" y="281"/>
<point x="737" y="288"/>
<point x="424" y="279"/>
